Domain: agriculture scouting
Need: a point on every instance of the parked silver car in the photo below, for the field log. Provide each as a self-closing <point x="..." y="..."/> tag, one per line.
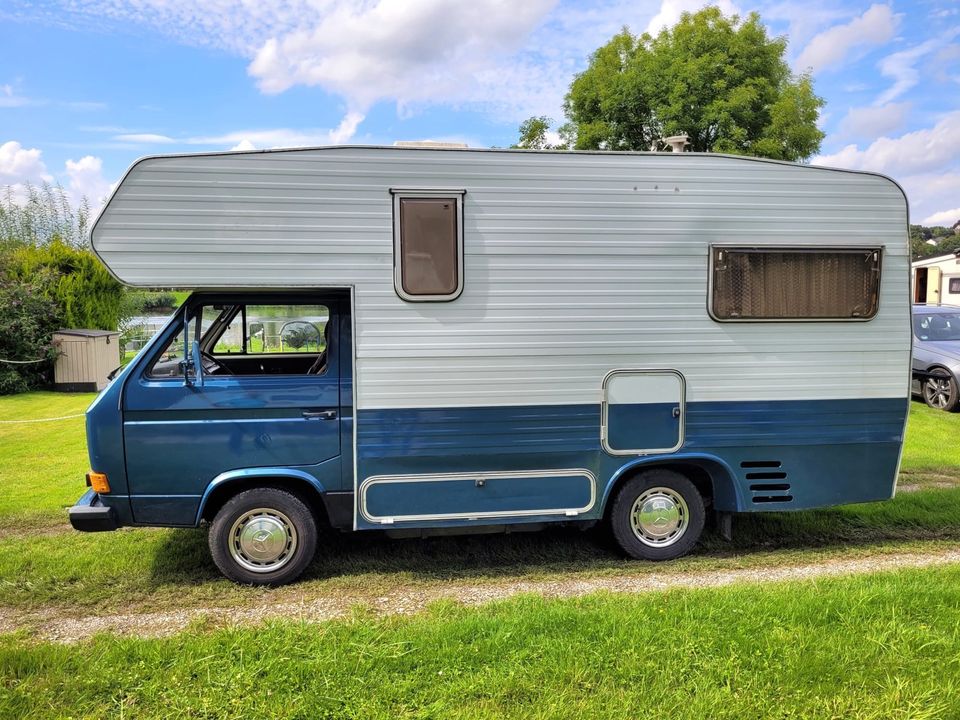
<point x="936" y="355"/>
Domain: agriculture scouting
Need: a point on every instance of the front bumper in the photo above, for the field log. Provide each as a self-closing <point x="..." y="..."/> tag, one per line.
<point x="91" y="515"/>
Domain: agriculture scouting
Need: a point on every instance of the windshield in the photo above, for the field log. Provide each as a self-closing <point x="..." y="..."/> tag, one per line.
<point x="937" y="326"/>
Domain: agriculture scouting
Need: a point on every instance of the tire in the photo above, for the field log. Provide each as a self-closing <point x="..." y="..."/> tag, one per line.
<point x="263" y="536"/>
<point x="674" y="519"/>
<point x="941" y="392"/>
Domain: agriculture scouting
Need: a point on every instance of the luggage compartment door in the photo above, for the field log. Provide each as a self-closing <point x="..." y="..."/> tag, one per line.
<point x="643" y="412"/>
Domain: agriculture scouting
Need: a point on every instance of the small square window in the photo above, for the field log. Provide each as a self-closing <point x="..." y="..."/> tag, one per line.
<point x="954" y="288"/>
<point x="428" y="245"/>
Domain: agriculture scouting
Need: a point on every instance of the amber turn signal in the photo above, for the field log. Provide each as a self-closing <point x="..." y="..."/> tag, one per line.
<point x="98" y="481"/>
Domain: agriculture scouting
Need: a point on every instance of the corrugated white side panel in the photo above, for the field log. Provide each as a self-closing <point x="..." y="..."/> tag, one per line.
<point x="576" y="264"/>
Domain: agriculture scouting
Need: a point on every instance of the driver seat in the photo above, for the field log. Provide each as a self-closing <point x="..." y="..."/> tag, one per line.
<point x="320" y="364"/>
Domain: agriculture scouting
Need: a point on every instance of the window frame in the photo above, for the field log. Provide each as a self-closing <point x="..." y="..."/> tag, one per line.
<point x="455" y="196"/>
<point x="793" y="247"/>
<point x="199" y="301"/>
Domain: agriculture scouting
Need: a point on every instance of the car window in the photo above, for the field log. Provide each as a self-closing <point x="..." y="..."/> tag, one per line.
<point x="937" y="326"/>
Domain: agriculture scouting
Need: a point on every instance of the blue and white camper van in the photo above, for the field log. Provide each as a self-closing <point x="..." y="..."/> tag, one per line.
<point x="422" y="340"/>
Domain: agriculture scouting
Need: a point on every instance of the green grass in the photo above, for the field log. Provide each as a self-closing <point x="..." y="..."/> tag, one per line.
<point x="876" y="646"/>
<point x="43" y="563"/>
<point x="932" y="441"/>
<point x="153" y="569"/>
<point x="42" y="465"/>
<point x="880" y="646"/>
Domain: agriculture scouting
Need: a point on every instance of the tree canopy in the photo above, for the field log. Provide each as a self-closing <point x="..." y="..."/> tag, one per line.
<point x="720" y="80"/>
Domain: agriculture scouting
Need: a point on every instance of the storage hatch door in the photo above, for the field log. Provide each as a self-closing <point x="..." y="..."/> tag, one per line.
<point x="643" y="412"/>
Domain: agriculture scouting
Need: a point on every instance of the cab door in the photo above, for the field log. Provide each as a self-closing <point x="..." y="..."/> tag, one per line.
<point x="260" y="400"/>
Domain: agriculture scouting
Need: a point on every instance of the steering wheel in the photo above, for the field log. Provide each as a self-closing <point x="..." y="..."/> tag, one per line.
<point x="212" y="366"/>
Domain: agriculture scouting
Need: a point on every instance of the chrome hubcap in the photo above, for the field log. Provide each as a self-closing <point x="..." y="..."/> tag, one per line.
<point x="659" y="517"/>
<point x="263" y="540"/>
<point x="938" y="392"/>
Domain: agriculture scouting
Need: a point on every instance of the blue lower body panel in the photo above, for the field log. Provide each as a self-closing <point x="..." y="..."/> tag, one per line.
<point x="765" y="455"/>
<point x="477" y="496"/>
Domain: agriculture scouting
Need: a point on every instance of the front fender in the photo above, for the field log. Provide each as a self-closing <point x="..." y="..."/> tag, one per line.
<point x="259" y="473"/>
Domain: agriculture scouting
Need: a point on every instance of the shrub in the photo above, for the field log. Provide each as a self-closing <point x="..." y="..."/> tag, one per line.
<point x="27" y="322"/>
<point x="86" y="294"/>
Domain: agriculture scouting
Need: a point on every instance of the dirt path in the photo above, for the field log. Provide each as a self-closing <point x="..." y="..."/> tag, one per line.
<point x="50" y="625"/>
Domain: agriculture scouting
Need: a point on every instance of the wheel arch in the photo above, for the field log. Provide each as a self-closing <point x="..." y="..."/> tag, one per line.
<point x="711" y="475"/>
<point x="228" y="484"/>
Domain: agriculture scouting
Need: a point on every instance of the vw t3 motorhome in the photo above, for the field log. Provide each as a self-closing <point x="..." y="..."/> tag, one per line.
<point x="435" y="340"/>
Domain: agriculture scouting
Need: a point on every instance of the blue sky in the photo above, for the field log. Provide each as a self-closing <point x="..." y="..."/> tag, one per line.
<point x="87" y="86"/>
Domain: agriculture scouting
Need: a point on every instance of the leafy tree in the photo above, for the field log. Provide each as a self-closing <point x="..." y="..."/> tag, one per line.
<point x="720" y="80"/>
<point x="42" y="214"/>
<point x="945" y="241"/>
<point x="533" y="135"/>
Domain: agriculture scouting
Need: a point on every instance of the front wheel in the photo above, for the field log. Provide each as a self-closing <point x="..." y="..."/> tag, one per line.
<point x="658" y="515"/>
<point x="264" y="536"/>
<point x="940" y="391"/>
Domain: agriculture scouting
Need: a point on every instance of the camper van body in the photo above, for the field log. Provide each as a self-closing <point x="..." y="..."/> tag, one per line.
<point x="581" y="341"/>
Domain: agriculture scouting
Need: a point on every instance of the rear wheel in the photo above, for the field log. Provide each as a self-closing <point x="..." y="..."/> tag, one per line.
<point x="940" y="392"/>
<point x="658" y="515"/>
<point x="263" y="536"/>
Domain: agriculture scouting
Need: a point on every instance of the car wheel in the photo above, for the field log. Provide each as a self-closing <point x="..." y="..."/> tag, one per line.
<point x="658" y="515"/>
<point x="263" y="536"/>
<point x="940" y="392"/>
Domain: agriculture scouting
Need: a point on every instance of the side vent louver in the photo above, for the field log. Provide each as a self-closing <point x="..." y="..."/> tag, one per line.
<point x="767" y="492"/>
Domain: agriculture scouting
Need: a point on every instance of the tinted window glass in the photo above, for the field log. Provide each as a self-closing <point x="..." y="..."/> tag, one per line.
<point x="795" y="284"/>
<point x="429" y="263"/>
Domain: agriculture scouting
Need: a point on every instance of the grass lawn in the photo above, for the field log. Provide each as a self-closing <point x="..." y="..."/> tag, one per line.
<point x="876" y="646"/>
<point x="42" y="465"/>
<point x="157" y="568"/>
<point x="933" y="442"/>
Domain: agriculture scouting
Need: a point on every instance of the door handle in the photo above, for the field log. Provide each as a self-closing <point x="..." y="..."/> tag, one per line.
<point x="320" y="414"/>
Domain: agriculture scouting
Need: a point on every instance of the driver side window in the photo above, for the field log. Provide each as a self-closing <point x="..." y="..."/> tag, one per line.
<point x="252" y="339"/>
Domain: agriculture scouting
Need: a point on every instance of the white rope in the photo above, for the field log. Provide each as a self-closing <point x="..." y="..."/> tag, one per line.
<point x="22" y="362"/>
<point x="53" y="419"/>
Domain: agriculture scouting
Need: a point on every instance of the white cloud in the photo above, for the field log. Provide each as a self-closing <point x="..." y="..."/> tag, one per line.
<point x="85" y="180"/>
<point x="943" y="217"/>
<point x="874" y="121"/>
<point x="398" y="50"/>
<point x="901" y="66"/>
<point x="671" y="10"/>
<point x="280" y="137"/>
<point x="145" y="138"/>
<point x="932" y="195"/>
<point x="19" y="164"/>
<point x="245" y="139"/>
<point x="83" y="177"/>
<point x="875" y="26"/>
<point x="922" y="150"/>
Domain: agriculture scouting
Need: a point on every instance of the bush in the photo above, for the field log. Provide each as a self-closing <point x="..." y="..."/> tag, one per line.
<point x="158" y="301"/>
<point x="86" y="294"/>
<point x="28" y="320"/>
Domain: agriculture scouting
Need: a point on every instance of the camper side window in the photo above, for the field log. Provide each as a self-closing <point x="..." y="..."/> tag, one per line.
<point x="428" y="245"/>
<point x="794" y="283"/>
